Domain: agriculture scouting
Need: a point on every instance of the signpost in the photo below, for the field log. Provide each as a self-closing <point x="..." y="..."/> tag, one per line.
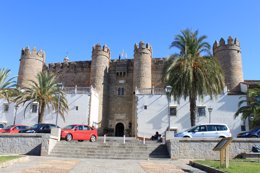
<point x="223" y="148"/>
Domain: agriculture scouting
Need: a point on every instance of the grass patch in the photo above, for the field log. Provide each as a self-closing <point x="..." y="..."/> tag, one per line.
<point x="235" y="166"/>
<point x="7" y="158"/>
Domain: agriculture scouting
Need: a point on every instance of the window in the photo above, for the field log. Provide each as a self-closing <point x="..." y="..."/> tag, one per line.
<point x="212" y="128"/>
<point x="77" y="108"/>
<point x="6" y="107"/>
<point x="34" y="108"/>
<point x="80" y="127"/>
<point x="120" y="91"/>
<point x="221" y="127"/>
<point x="86" y="128"/>
<point x="202" y="128"/>
<point x="201" y="111"/>
<point x="243" y="128"/>
<point x="145" y="106"/>
<point x="173" y="111"/>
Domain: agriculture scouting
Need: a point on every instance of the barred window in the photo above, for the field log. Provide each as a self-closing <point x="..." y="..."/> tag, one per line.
<point x="201" y="111"/>
<point x="173" y="111"/>
<point x="120" y="91"/>
<point x="34" y="108"/>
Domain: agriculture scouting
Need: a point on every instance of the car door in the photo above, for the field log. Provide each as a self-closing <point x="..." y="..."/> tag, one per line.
<point x="211" y="132"/>
<point x="87" y="132"/>
<point x="79" y="133"/>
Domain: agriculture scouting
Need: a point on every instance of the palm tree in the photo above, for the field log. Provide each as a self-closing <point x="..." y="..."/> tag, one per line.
<point x="6" y="84"/>
<point x="192" y="74"/>
<point x="46" y="93"/>
<point x="251" y="105"/>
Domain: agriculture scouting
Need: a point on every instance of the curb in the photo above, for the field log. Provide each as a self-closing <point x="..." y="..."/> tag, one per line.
<point x="205" y="168"/>
<point x="11" y="162"/>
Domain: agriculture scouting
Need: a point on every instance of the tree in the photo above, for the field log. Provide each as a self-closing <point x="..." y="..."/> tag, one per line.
<point x="46" y="93"/>
<point x="192" y="74"/>
<point x="6" y="84"/>
<point x="251" y="105"/>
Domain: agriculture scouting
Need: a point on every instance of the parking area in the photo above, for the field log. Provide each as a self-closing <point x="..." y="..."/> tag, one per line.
<point x="34" y="164"/>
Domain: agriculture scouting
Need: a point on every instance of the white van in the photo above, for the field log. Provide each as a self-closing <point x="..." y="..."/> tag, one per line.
<point x="206" y="131"/>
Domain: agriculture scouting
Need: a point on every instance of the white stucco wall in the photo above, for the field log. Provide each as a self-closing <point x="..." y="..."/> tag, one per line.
<point x="94" y="106"/>
<point x="80" y="100"/>
<point x="155" y="117"/>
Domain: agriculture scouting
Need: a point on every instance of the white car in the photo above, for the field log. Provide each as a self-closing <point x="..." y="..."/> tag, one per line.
<point x="206" y="131"/>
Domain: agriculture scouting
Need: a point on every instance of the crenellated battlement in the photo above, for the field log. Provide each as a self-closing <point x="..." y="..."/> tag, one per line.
<point x="143" y="48"/>
<point x="101" y="50"/>
<point x="158" y="61"/>
<point x="230" y="44"/>
<point x="26" y="51"/>
<point x="67" y="66"/>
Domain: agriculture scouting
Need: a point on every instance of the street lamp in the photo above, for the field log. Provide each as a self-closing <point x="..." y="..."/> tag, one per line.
<point x="59" y="85"/>
<point x="168" y="90"/>
<point x="16" y="107"/>
<point x="210" y="109"/>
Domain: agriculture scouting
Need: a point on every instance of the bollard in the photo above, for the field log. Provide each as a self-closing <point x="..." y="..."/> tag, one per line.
<point x="143" y="140"/>
<point x="124" y="139"/>
<point x="105" y="138"/>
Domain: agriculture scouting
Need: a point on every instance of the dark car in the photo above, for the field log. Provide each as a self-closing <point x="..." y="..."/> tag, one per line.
<point x="255" y="133"/>
<point x="39" y="128"/>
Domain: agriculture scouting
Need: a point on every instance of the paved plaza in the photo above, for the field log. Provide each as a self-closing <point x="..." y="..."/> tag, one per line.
<point x="35" y="164"/>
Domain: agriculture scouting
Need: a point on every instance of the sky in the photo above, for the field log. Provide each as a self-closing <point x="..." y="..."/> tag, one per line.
<point x="71" y="27"/>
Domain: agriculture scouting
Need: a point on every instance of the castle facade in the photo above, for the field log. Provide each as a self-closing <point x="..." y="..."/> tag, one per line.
<point x="116" y="81"/>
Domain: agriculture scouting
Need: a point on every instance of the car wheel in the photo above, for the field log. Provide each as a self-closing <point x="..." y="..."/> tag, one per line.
<point x="93" y="138"/>
<point x="69" y="137"/>
<point x="186" y="137"/>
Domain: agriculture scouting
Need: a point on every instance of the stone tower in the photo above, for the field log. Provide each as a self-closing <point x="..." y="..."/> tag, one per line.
<point x="229" y="57"/>
<point x="142" y="66"/>
<point x="31" y="63"/>
<point x="99" y="79"/>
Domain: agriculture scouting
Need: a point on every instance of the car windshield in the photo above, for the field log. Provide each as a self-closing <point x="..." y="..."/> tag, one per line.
<point x="191" y="129"/>
<point x="8" y="127"/>
<point x="69" y="127"/>
<point x="36" y="126"/>
<point x="255" y="129"/>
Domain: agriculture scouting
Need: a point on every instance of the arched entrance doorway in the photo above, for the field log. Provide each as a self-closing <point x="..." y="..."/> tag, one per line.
<point x="120" y="129"/>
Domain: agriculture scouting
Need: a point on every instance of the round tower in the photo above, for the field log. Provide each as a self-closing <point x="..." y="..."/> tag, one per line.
<point x="99" y="78"/>
<point x="142" y="65"/>
<point x="229" y="57"/>
<point x="31" y="63"/>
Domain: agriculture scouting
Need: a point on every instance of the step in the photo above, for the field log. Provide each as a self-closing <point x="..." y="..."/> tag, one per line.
<point x="112" y="149"/>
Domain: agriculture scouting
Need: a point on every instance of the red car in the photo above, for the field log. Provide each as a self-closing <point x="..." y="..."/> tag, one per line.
<point x="14" y="128"/>
<point x="79" y="132"/>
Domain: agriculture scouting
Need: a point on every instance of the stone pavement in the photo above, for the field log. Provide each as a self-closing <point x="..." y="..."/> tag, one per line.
<point x="36" y="164"/>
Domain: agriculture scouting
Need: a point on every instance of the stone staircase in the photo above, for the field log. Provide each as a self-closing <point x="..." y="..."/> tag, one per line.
<point x="114" y="148"/>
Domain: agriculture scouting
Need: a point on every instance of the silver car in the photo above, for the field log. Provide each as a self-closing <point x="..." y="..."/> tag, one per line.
<point x="206" y="131"/>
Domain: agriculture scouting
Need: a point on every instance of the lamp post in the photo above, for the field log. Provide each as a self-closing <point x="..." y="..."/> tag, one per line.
<point x="168" y="90"/>
<point x="59" y="85"/>
<point x="15" y="113"/>
<point x="210" y="109"/>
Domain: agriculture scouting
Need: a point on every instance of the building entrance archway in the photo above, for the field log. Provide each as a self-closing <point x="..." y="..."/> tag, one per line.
<point x="120" y="129"/>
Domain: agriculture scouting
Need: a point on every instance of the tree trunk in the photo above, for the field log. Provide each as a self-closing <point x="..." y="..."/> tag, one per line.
<point x="193" y="110"/>
<point x="41" y="113"/>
